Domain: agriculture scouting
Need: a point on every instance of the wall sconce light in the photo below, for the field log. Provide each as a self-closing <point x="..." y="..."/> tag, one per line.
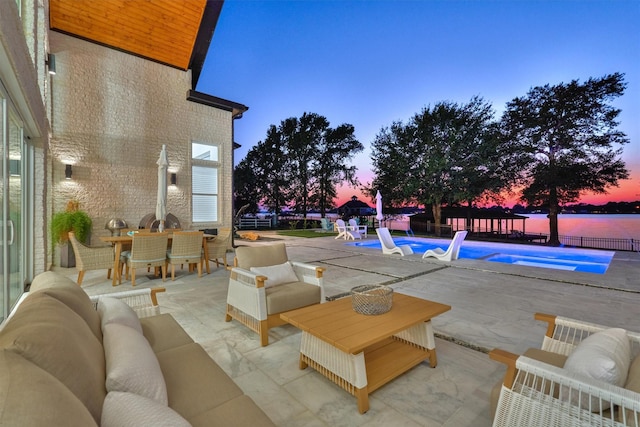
<point x="173" y="178"/>
<point x="51" y="62"/>
<point x="67" y="172"/>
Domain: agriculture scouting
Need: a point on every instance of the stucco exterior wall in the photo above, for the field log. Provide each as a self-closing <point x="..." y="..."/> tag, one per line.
<point x="111" y="113"/>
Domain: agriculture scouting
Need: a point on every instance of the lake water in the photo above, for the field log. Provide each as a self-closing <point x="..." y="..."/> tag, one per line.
<point x="588" y="225"/>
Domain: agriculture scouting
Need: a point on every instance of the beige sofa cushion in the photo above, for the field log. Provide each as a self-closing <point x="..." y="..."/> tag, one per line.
<point x="131" y="364"/>
<point x="68" y="292"/>
<point x="261" y="256"/>
<point x="31" y="397"/>
<point x="195" y="384"/>
<point x="240" y="411"/>
<point x="49" y="334"/>
<point x="291" y="296"/>
<point x="113" y="310"/>
<point x="164" y="332"/>
<point x="130" y="410"/>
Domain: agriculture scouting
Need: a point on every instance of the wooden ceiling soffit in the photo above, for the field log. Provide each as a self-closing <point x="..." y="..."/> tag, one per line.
<point x="164" y="31"/>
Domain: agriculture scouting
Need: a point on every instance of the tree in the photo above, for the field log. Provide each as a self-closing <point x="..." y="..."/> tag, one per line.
<point x="566" y="135"/>
<point x="299" y="164"/>
<point x="302" y="137"/>
<point x="334" y="150"/>
<point x="259" y="177"/>
<point x="445" y="154"/>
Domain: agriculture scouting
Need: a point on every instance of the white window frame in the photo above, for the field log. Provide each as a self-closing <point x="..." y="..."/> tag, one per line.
<point x="197" y="163"/>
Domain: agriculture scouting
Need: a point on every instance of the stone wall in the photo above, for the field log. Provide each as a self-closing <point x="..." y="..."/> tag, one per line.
<point x="111" y="114"/>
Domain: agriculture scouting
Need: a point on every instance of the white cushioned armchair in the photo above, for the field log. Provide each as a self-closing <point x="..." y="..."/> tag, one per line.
<point x="583" y="374"/>
<point x="264" y="283"/>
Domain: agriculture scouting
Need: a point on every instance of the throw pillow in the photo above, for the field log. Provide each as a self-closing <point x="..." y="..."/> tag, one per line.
<point x="276" y="274"/>
<point x="603" y="356"/>
<point x="131" y="364"/>
<point x="131" y="410"/>
<point x="113" y="310"/>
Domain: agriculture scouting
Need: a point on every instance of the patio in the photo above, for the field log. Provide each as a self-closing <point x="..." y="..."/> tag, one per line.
<point x="492" y="306"/>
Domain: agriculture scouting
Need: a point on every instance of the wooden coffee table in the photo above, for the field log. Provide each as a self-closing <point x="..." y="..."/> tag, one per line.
<point x="361" y="353"/>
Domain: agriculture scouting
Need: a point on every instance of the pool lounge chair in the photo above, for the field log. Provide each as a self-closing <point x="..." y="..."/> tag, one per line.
<point x="389" y="246"/>
<point x="452" y="251"/>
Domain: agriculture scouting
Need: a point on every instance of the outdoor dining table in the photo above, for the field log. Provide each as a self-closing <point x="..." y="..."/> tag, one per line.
<point x="119" y="241"/>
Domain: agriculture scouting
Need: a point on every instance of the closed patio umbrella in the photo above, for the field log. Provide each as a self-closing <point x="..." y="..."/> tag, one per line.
<point x="161" y="202"/>
<point x="379" y="215"/>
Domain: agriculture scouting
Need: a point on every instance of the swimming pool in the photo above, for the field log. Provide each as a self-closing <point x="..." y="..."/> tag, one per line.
<point x="569" y="259"/>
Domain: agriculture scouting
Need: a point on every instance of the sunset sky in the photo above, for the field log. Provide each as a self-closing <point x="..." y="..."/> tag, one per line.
<point x="371" y="62"/>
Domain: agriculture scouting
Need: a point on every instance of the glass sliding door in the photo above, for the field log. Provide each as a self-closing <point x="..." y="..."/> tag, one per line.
<point x="12" y="205"/>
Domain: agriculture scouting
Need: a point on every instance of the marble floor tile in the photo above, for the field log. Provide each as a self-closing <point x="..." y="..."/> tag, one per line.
<point x="492" y="306"/>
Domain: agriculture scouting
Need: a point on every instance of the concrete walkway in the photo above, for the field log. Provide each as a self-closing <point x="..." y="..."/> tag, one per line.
<point x="492" y="306"/>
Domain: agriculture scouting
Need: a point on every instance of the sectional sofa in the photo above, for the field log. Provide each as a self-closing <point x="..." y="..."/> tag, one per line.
<point x="67" y="361"/>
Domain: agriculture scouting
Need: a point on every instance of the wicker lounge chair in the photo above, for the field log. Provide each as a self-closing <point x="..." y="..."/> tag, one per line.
<point x="91" y="258"/>
<point x="264" y="283"/>
<point x="549" y="387"/>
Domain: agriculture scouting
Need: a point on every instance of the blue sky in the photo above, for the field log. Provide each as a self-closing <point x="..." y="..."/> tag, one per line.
<point x="369" y="63"/>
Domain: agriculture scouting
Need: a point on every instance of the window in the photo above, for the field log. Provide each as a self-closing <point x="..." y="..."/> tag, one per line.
<point x="204" y="182"/>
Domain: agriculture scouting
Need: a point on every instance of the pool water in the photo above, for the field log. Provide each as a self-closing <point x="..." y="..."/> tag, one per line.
<point x="569" y="259"/>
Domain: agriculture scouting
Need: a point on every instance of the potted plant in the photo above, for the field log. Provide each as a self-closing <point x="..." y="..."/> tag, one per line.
<point x="71" y="219"/>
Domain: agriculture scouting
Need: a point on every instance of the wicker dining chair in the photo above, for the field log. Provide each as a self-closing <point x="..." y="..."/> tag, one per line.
<point x="147" y="250"/>
<point x="91" y="258"/>
<point x="217" y="248"/>
<point x="186" y="248"/>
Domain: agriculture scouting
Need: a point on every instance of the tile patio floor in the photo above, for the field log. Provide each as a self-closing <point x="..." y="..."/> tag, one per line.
<point x="492" y="306"/>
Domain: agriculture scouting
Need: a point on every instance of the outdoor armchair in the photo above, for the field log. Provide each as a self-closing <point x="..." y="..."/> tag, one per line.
<point x="147" y="250"/>
<point x="91" y="258"/>
<point x="186" y="248"/>
<point x="264" y="283"/>
<point x="327" y="226"/>
<point x="359" y="229"/>
<point x="584" y="374"/>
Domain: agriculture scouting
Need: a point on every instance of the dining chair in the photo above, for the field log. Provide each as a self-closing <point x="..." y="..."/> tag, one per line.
<point x="186" y="248"/>
<point x="147" y="250"/>
<point x="217" y="247"/>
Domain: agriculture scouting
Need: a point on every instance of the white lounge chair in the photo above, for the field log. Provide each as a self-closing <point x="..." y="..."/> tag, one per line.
<point x="360" y="229"/>
<point x="389" y="246"/>
<point x="452" y="251"/>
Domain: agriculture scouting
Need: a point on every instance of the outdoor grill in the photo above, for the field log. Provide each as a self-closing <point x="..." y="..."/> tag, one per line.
<point x="150" y="221"/>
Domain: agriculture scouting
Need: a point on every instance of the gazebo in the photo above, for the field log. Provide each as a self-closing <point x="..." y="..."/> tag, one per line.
<point x="355" y="207"/>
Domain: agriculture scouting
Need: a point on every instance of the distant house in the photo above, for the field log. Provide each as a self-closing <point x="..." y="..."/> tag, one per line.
<point x="355" y="207"/>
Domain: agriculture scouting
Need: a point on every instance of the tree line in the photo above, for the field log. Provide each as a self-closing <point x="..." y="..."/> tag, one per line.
<point x="548" y="147"/>
<point x="299" y="165"/>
